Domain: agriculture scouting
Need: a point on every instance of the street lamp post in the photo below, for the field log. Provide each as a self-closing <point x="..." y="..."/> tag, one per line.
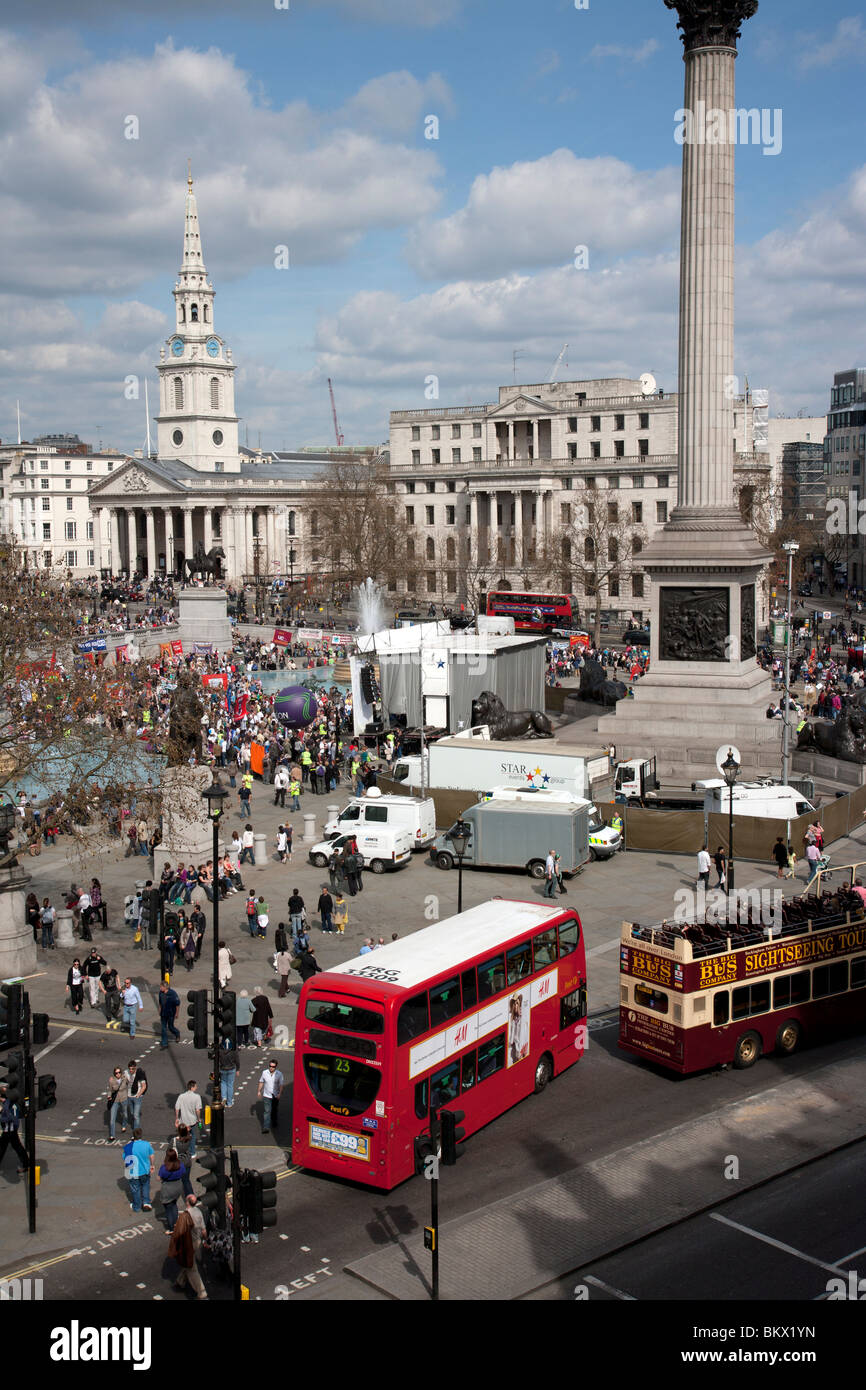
<point x="730" y="770"/>
<point x="790" y="548"/>
<point x="291" y="585"/>
<point x="459" y="835"/>
<point x="214" y="797"/>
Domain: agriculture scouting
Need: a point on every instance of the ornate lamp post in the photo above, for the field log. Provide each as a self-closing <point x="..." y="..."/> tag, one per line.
<point x="730" y="771"/>
<point x="459" y="835"/>
<point x="215" y="797"/>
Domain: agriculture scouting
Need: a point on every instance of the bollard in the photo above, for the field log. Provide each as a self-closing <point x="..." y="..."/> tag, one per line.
<point x="63" y="934"/>
<point x="260" y="848"/>
<point x="309" y="836"/>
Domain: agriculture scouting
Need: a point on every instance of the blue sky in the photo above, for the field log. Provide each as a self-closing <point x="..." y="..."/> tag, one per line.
<point x="408" y="256"/>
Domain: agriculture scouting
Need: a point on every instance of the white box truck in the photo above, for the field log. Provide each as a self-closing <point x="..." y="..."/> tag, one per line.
<point x="766" y="799"/>
<point x="413" y="813"/>
<point x="514" y="835"/>
<point x="470" y="762"/>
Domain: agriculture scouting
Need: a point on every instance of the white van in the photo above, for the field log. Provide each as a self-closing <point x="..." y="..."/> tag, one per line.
<point x="380" y="847"/>
<point x="765" y="799"/>
<point x="603" y="841"/>
<point x="413" y="813"/>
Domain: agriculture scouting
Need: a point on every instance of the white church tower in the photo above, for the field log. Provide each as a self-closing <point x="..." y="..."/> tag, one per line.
<point x="196" y="424"/>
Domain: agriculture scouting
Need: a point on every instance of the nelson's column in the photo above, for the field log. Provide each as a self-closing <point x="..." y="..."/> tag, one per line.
<point x="704" y="685"/>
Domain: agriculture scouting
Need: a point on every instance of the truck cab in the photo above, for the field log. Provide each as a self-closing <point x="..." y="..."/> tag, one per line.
<point x="635" y="779"/>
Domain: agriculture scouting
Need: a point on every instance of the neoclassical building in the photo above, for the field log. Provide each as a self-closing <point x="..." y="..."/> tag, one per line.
<point x="202" y="489"/>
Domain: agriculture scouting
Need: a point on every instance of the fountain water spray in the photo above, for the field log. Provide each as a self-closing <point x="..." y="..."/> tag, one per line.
<point x="371" y="609"/>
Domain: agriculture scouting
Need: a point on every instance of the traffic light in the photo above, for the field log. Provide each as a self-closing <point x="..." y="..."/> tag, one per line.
<point x="260" y="1201"/>
<point x="47" y="1093"/>
<point x="451" y="1135"/>
<point x="197" y="1016"/>
<point x="227" y="1024"/>
<point x="40" y="1028"/>
<point x="11" y="1012"/>
<point x="214" y="1161"/>
<point x="14" y="1079"/>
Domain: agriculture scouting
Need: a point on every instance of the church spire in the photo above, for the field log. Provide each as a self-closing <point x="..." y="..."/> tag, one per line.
<point x="193" y="262"/>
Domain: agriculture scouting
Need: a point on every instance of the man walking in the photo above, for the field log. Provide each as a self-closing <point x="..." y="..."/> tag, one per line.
<point x="270" y="1090"/>
<point x="169" y="1003"/>
<point x="244" y="793"/>
<point x="296" y="912"/>
<point x="93" y="968"/>
<point x="281" y="785"/>
<point x="248" y="843"/>
<point x="284" y="965"/>
<point x="704" y="863"/>
<point x="325" y="908"/>
<point x="132" y="1004"/>
<point x="550" y="874"/>
<point x="10" y="1119"/>
<point x="110" y="989"/>
<point x="138" y="1169"/>
<point x="136" y="1084"/>
<point x="187" y="1111"/>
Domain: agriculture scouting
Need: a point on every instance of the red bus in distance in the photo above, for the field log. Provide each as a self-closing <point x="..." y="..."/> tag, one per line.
<point x="534" y="612"/>
<point x="480" y="1010"/>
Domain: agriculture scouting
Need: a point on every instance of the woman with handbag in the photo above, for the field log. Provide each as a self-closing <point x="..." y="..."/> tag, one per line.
<point x="172" y="1174"/>
<point x="187" y="946"/>
<point x="118" y="1102"/>
<point x="75" y="985"/>
<point x="182" y="1247"/>
<point x="225" y="961"/>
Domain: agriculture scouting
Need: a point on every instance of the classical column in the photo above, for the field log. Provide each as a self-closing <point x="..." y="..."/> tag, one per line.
<point x="97" y="538"/>
<point x="187" y="533"/>
<point x="114" y="532"/>
<point x="208" y="530"/>
<point x="168" y="516"/>
<point x="510" y="439"/>
<point x="150" y="527"/>
<point x="249" y="548"/>
<point x="535" y="439"/>
<point x="131" y="541"/>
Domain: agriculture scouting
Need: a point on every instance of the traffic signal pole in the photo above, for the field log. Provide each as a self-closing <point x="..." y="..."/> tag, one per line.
<point x="30" y="1095"/>
<point x="217" y="1113"/>
<point x="236" y="1228"/>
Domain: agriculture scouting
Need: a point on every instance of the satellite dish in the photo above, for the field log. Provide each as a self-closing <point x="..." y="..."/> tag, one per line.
<point x="647" y="383"/>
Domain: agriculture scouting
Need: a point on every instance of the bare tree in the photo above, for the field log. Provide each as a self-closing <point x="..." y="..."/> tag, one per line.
<point x="598" y="541"/>
<point x="358" y="526"/>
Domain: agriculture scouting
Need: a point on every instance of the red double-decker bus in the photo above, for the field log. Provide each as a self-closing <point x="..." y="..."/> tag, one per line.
<point x="534" y="612"/>
<point x="481" y="1009"/>
<point x="697" y="996"/>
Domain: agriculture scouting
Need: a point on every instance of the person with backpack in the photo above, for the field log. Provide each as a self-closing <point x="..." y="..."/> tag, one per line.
<point x="296" y="911"/>
<point x="252" y="915"/>
<point x="47" y="917"/>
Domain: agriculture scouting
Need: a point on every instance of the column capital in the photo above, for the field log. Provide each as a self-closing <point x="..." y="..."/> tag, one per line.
<point x="711" y="23"/>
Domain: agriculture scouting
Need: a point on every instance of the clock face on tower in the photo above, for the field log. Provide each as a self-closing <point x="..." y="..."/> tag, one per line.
<point x="213" y="347"/>
<point x="176" y="347"/>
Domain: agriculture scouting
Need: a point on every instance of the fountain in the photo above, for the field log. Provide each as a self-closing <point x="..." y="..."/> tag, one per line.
<point x="371" y="609"/>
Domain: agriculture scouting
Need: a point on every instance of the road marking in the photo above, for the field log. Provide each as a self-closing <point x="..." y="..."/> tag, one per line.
<point x="51" y="1046"/>
<point x="777" y="1244"/>
<point x="608" y="1288"/>
<point x="606" y="946"/>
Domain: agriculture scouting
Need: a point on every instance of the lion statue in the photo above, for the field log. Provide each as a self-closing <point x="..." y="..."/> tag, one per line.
<point x="503" y="723"/>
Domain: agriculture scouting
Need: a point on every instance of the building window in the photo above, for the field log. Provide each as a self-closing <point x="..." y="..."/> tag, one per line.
<point x="476" y="455"/>
<point x="46" y="504"/>
<point x="410" y="549"/>
<point x="619" y="448"/>
<point x="455" y="455"/>
<point x="619" y="422"/>
<point x="291" y="523"/>
<point x="429" y="512"/>
<point x="67" y="465"/>
<point x="595" y="449"/>
<point x="451" y="582"/>
<point x="436" y="455"/>
<point x="46" y="559"/>
<point x="90" y="465"/>
<point x="613" y="481"/>
<point x="565" y="513"/>
<point x="71" y="559"/>
<point x="572" y="452"/>
<point x="643" y="448"/>
<point x="91" y="559"/>
<point x="431" y="485"/>
<point x="637" y="480"/>
<point x="637" y="585"/>
<point x="637" y="511"/>
<point x="69" y="504"/>
<point x="218" y="466"/>
<point x="451" y="486"/>
<point x="661" y="511"/>
<point x="455" y="431"/>
<point x="476" y="431"/>
<point x="434" y="432"/>
<point x="643" y="420"/>
<point x="431" y="581"/>
<point x="662" y="480"/>
<point x="178" y="393"/>
<point x="431" y="548"/>
<point x="90" y="530"/>
<point x="416" y="457"/>
<point x="612" y="512"/>
<point x="595" y="424"/>
<point x="69" y="531"/>
<point x="410" y="516"/>
<point x="450" y="549"/>
<point x="572" y="424"/>
<point x="450" y="515"/>
<point x="45" y="484"/>
<point x="111" y="467"/>
<point x="613" y="586"/>
<point x="43" y="464"/>
<point x="410" y="487"/>
<point x="193" y="313"/>
<point x="314" y="523"/>
<point x="68" y="484"/>
<point x="215" y="394"/>
<point x="416" y="432"/>
<point x="46" y="530"/>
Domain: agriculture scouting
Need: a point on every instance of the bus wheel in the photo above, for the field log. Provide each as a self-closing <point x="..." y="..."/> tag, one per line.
<point x="537" y="868"/>
<point x="543" y="1073"/>
<point x="444" y="861"/>
<point x="788" y="1037"/>
<point x="747" y="1051"/>
<point x="377" y="866"/>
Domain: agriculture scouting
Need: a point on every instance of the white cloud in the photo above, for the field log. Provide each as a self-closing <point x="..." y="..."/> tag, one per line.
<point x="84" y="209"/>
<point x="425" y="14"/>
<point x="629" y="53"/>
<point x="534" y="213"/>
<point x="848" y="45"/>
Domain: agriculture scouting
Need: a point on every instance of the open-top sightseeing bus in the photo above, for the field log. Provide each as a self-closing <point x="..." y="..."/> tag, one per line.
<point x="696" y="996"/>
<point x="482" y="1009"/>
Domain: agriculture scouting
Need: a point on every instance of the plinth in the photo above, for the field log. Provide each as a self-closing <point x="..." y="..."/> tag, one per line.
<point x="187" y="834"/>
<point x="203" y="617"/>
<point x="17" y="947"/>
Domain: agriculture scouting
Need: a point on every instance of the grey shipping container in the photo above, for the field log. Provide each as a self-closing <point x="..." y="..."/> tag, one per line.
<point x="509" y="835"/>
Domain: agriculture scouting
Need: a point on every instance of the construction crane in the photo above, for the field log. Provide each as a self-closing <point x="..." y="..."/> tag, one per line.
<point x="334" y="413"/>
<point x="552" y="376"/>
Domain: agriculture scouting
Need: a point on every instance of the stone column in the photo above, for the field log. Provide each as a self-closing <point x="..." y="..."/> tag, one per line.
<point x="249" y="548"/>
<point x="97" y="538"/>
<point x="131" y="541"/>
<point x="510" y="439"/>
<point x="168" y="515"/>
<point x="208" y="530"/>
<point x="150" y="526"/>
<point x="187" y="533"/>
<point x="114" y="533"/>
<point x="535" y="439"/>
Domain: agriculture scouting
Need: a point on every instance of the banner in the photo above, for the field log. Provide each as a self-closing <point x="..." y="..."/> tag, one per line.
<point x="215" y="682"/>
<point x="121" y="653"/>
<point x="282" y="638"/>
<point x="257" y="758"/>
<point x="93" y="644"/>
<point x="203" y="648"/>
<point x="240" y="706"/>
<point x="165" y="650"/>
<point x="579" y="639"/>
<point x="177" y="647"/>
